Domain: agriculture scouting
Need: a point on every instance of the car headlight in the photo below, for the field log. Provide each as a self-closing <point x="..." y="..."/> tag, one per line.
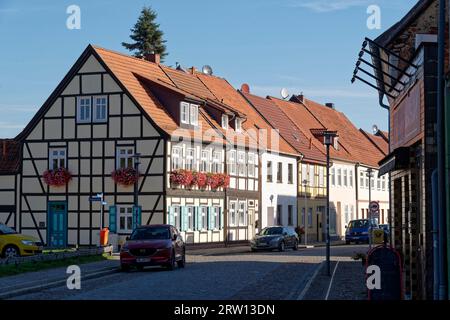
<point x="364" y="232"/>
<point x="28" y="242"/>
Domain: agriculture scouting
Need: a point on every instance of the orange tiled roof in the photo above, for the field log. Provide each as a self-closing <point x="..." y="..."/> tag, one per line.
<point x="378" y="141"/>
<point x="288" y="129"/>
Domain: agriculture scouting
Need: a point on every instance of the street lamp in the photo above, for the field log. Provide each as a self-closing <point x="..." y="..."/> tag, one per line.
<point x="328" y="140"/>
<point x="369" y="174"/>
<point x="136" y="157"/>
<point x="305" y="183"/>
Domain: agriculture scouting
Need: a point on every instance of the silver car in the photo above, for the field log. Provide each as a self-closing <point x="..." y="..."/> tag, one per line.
<point x="277" y="237"/>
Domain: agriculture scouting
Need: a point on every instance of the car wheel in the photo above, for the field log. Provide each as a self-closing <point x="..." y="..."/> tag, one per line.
<point x="10" y="252"/>
<point x="171" y="264"/>
<point x="281" y="246"/>
<point x="125" y="267"/>
<point x="295" y="247"/>
<point x="182" y="262"/>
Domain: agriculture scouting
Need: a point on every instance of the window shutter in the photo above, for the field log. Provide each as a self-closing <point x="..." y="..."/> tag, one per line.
<point x="113" y="219"/>
<point x="137" y="216"/>
<point x="170" y="216"/>
<point x="184" y="219"/>
<point x="211" y="221"/>
<point x="221" y="217"/>
<point x="198" y="220"/>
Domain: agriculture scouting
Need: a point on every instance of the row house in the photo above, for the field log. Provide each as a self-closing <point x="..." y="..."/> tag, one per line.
<point x="404" y="60"/>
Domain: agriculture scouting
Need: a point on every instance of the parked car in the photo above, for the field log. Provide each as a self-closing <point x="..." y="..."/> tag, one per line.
<point x="358" y="231"/>
<point x="153" y="245"/>
<point x="13" y="244"/>
<point x="277" y="237"/>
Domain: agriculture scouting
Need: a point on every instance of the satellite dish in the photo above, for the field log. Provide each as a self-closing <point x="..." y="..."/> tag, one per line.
<point x="207" y="70"/>
<point x="284" y="93"/>
<point x="375" y="129"/>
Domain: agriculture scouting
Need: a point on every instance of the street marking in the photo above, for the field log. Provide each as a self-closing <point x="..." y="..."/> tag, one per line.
<point x="331" y="281"/>
<point x="310" y="281"/>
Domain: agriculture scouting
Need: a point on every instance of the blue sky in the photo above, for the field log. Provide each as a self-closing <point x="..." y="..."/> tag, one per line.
<point x="307" y="46"/>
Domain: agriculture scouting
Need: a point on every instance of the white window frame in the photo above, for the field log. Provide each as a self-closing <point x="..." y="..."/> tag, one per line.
<point x="321" y="177"/>
<point x="128" y="214"/>
<point x="96" y="106"/>
<point x="126" y="155"/>
<point x="350" y="178"/>
<point x="241" y="213"/>
<point x="304" y="173"/>
<point x="279" y="172"/>
<point x="383" y="183"/>
<point x="241" y="163"/>
<point x="216" y="162"/>
<point x="190" y="211"/>
<point x="193" y="114"/>
<point x="361" y="180"/>
<point x="333" y="177"/>
<point x="232" y="162"/>
<point x="251" y="164"/>
<point x="216" y="214"/>
<point x="80" y="106"/>
<point x="290" y="173"/>
<point x="184" y="112"/>
<point x="339" y="177"/>
<point x="204" y="217"/>
<point x="311" y="175"/>
<point x="60" y="156"/>
<point x="344" y="178"/>
<point x="176" y="209"/>
<point x="225" y="121"/>
<point x="177" y="154"/>
<point x="205" y="163"/>
<point x="190" y="159"/>
<point x="233" y="212"/>
<point x="238" y="124"/>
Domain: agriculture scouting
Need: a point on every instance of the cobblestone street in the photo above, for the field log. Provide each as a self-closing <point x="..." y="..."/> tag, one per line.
<point x="242" y="276"/>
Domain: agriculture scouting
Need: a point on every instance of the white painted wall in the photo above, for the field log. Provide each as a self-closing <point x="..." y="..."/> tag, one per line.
<point x="283" y="193"/>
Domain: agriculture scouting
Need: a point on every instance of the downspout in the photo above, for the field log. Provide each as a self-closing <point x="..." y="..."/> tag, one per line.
<point x="357" y="190"/>
<point x="441" y="150"/>
<point x="435" y="202"/>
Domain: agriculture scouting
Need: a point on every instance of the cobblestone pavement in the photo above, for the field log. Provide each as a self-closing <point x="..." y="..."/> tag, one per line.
<point x="263" y="275"/>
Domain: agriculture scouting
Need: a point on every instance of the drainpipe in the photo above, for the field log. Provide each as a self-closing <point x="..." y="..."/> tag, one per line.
<point x="441" y="150"/>
<point x="357" y="190"/>
<point x="435" y="202"/>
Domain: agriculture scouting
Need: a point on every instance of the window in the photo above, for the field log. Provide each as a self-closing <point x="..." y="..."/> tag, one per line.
<point x="280" y="172"/>
<point x="177" y="216"/>
<point x="333" y="177"/>
<point x="194" y="115"/>
<point x="216" y="166"/>
<point x="242" y="217"/>
<point x="84" y="109"/>
<point x="367" y="180"/>
<point x="361" y="179"/>
<point x="225" y="121"/>
<point x="339" y="177"/>
<point x="346" y="212"/>
<point x="204" y="161"/>
<point x="190" y="218"/>
<point x="204" y="217"/>
<point x="57" y="158"/>
<point x="100" y="109"/>
<point x="383" y="183"/>
<point x="279" y="215"/>
<point x="126" y="219"/>
<point x="241" y="163"/>
<point x="238" y="124"/>
<point x="125" y="157"/>
<point x="304" y="174"/>
<point x="350" y="178"/>
<point x="233" y="213"/>
<point x="310" y="211"/>
<point x="184" y="112"/>
<point x="378" y="184"/>
<point x="352" y="212"/>
<point x="216" y="217"/>
<point x="290" y="215"/>
<point x="251" y="164"/>
<point x="345" y="177"/>
<point x="269" y="171"/>
<point x="321" y="176"/>
<point x="290" y="173"/>
<point x="372" y="183"/>
<point x="190" y="159"/>
<point x="311" y="176"/>
<point x="303" y="217"/>
<point x="176" y="158"/>
<point x="232" y="162"/>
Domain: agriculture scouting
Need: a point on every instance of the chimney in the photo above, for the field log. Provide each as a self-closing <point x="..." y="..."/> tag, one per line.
<point x="297" y="98"/>
<point x="301" y="98"/>
<point x="192" y="70"/>
<point x="245" y="88"/>
<point x="330" y="105"/>
<point x="153" y="57"/>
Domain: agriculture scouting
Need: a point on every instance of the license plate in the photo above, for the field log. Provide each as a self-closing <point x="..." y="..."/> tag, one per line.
<point x="140" y="260"/>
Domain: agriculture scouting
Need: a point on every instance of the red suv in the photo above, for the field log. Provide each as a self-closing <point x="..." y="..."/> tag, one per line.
<point x="153" y="245"/>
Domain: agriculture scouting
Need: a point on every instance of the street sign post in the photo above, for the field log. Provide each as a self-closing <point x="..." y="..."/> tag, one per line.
<point x="99" y="198"/>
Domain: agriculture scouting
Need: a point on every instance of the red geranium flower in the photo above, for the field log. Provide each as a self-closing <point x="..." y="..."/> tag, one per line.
<point x="57" y="177"/>
<point x="125" y="176"/>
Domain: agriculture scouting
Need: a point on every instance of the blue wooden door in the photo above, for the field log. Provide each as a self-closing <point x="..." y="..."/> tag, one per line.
<point x="57" y="225"/>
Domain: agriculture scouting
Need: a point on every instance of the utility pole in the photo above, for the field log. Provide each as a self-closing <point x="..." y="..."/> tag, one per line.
<point x="369" y="174"/>
<point x="305" y="182"/>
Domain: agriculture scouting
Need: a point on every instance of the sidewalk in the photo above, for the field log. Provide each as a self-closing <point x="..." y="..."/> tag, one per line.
<point x="347" y="283"/>
<point x="35" y="281"/>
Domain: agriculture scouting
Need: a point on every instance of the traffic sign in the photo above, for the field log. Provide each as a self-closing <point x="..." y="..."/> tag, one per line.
<point x="98" y="197"/>
<point x="374" y="206"/>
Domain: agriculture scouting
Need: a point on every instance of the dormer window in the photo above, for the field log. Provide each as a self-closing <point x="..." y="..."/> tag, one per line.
<point x="189" y="113"/>
<point x="225" y="121"/>
<point x="238" y="124"/>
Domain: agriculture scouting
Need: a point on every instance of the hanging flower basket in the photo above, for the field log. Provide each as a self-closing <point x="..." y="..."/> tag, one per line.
<point x="217" y="180"/>
<point x="200" y="179"/>
<point x="125" y="176"/>
<point x="58" y="177"/>
<point x="181" y="177"/>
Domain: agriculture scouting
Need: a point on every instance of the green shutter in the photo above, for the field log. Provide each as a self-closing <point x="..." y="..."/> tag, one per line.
<point x="184" y="219"/>
<point x="113" y="219"/>
<point x="211" y="220"/>
<point x="137" y="216"/>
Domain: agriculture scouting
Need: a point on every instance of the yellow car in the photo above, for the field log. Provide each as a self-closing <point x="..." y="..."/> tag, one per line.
<point x="13" y="244"/>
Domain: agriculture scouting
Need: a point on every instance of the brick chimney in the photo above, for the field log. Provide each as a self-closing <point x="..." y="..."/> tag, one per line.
<point x="245" y="88"/>
<point x="297" y="98"/>
<point x="153" y="57"/>
<point x="330" y="105"/>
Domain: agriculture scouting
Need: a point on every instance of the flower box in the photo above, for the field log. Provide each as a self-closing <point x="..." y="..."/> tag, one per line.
<point x="125" y="176"/>
<point x="57" y="177"/>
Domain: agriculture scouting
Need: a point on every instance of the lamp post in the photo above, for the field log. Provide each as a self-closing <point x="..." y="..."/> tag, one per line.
<point x="369" y="174"/>
<point x="136" y="157"/>
<point x="305" y="183"/>
<point x="328" y="140"/>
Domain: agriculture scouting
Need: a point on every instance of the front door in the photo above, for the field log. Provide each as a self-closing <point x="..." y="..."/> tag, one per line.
<point x="57" y="224"/>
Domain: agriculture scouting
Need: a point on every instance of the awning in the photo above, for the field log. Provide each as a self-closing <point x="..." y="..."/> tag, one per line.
<point x="396" y="160"/>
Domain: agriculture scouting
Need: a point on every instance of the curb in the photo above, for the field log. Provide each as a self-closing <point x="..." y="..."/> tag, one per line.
<point x="310" y="281"/>
<point x="54" y="284"/>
